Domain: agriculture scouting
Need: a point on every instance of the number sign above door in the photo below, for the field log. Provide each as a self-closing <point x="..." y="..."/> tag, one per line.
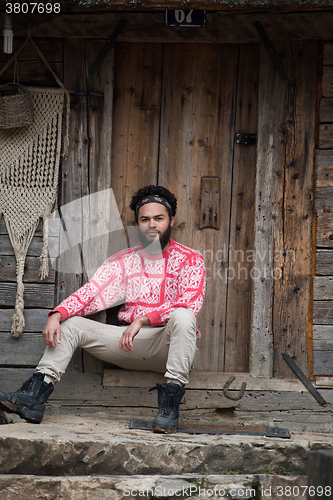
<point x="185" y="18"/>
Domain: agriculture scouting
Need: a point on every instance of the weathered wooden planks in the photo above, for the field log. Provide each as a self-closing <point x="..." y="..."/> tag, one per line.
<point x="323" y="312"/>
<point x="324" y="235"/>
<point x="24" y="351"/>
<point x="35" y="295"/>
<point x="324" y="166"/>
<point x="31" y="270"/>
<point x="227" y="26"/>
<point x="135" y="121"/>
<point x="197" y="136"/>
<point x="242" y="234"/>
<point x="294" y="239"/>
<point x="323" y="287"/>
<point x="200" y="380"/>
<point x="35" y="320"/>
<point x="269" y="171"/>
<point x="99" y="125"/>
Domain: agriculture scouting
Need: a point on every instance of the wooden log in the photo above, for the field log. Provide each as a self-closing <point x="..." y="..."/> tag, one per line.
<point x="324" y="382"/>
<point x="324" y="234"/>
<point x="327" y="81"/>
<point x="35" y="320"/>
<point x="322" y="362"/>
<point x="294" y="234"/>
<point x="197" y="140"/>
<point x="24" y="351"/>
<point x="35" y="295"/>
<point x="324" y="262"/>
<point x="328" y="54"/>
<point x="326" y="110"/>
<point x="323" y="312"/>
<point x="228" y="25"/>
<point x="320" y="473"/>
<point x="322" y="288"/>
<point x="323" y="345"/>
<point x="325" y="140"/>
<point x="51" y="48"/>
<point x="268" y="173"/>
<point x="242" y="234"/>
<point x="199" y="380"/>
<point x="35" y="72"/>
<point x="31" y="270"/>
<point x="324" y="168"/>
<point x="324" y="199"/>
<point x="322" y="332"/>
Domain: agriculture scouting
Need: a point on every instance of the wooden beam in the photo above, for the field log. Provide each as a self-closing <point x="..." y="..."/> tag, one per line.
<point x="31" y="270"/>
<point x="324" y="262"/>
<point x="199" y="380"/>
<point x="325" y="140"/>
<point x="324" y="166"/>
<point x="271" y="90"/>
<point x="322" y="287"/>
<point x="35" y="320"/>
<point x="24" y="351"/>
<point x="326" y="109"/>
<point x="324" y="236"/>
<point x="35" y="295"/>
<point x="220" y="26"/>
<point x="323" y="312"/>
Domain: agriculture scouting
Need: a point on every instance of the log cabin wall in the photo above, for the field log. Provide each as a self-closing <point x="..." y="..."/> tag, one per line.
<point x="323" y="280"/>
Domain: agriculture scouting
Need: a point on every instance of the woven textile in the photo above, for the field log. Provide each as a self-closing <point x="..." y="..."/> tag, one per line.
<point x="29" y="168"/>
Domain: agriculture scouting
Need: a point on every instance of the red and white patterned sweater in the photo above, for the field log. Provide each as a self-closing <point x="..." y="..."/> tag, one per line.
<point x="151" y="285"/>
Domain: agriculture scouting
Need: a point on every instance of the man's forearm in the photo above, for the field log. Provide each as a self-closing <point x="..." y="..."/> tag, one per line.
<point x="144" y="320"/>
<point x="57" y="315"/>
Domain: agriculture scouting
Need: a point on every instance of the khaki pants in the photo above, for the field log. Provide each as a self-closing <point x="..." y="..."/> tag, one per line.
<point x="170" y="349"/>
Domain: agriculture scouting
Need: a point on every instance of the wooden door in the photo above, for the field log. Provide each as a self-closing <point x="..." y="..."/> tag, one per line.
<point x="177" y="109"/>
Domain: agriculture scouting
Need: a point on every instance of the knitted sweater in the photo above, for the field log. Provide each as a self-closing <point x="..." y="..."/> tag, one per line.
<point x="149" y="285"/>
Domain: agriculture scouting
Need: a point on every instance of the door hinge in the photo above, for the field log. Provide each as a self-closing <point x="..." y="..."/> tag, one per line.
<point x="245" y="138"/>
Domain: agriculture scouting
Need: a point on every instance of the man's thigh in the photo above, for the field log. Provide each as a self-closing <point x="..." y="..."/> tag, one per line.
<point x="150" y="345"/>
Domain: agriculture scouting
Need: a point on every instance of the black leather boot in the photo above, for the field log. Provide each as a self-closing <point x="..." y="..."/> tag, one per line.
<point x="169" y="398"/>
<point x="28" y="402"/>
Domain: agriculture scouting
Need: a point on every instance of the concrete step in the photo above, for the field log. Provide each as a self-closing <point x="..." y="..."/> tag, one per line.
<point x="69" y="445"/>
<point x="175" y="487"/>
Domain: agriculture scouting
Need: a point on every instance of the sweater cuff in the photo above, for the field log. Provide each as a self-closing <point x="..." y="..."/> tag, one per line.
<point x="62" y="311"/>
<point x="154" y="318"/>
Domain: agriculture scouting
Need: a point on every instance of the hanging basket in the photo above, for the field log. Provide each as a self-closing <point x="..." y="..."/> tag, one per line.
<point x="16" y="107"/>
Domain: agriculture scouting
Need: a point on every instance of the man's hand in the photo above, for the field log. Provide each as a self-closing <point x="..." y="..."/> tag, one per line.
<point x="126" y="340"/>
<point x="52" y="328"/>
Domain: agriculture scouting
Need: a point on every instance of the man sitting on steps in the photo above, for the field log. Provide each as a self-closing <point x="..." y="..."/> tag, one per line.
<point x="163" y="283"/>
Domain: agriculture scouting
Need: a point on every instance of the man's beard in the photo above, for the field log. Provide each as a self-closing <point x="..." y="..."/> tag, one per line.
<point x="155" y="246"/>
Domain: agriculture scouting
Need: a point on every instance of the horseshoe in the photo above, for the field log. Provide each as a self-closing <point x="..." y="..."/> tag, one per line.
<point x="234" y="397"/>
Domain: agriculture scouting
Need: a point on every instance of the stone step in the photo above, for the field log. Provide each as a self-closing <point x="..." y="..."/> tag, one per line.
<point x="70" y="445"/>
<point x="174" y="487"/>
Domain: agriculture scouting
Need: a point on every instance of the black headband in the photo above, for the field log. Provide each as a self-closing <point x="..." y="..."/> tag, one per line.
<point x="154" y="198"/>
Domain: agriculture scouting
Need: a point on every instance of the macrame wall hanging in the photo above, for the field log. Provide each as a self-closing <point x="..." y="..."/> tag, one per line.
<point x="29" y="167"/>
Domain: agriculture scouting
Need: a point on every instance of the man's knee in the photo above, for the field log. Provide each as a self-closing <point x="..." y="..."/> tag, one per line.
<point x="183" y="316"/>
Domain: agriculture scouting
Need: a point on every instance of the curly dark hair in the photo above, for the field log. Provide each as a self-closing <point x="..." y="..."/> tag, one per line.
<point x="150" y="190"/>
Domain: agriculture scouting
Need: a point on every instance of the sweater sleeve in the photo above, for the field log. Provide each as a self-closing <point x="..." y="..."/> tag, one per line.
<point x="190" y="293"/>
<point x="105" y="288"/>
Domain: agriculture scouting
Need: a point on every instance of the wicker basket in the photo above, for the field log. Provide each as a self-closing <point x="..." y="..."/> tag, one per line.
<point x="16" y="107"/>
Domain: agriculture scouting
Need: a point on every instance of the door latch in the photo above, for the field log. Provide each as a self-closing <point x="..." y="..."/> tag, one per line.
<point x="245" y="138"/>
